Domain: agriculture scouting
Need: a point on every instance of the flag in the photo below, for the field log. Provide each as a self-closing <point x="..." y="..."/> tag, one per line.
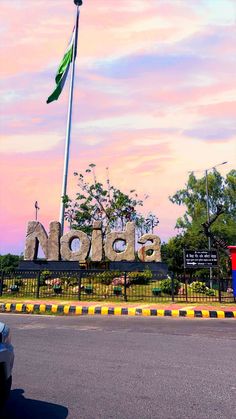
<point x="63" y="70"/>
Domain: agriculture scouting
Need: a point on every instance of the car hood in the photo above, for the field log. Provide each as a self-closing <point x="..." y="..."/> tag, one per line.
<point x="2" y="325"/>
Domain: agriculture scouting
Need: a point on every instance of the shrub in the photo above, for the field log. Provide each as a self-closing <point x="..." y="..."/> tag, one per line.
<point x="166" y="286"/>
<point x="140" y="278"/>
<point x="198" y="287"/>
<point x="44" y="275"/>
<point x="69" y="280"/>
<point x="210" y="292"/>
<point x="106" y="278"/>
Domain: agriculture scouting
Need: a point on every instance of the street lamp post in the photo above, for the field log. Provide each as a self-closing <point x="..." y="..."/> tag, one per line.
<point x="208" y="209"/>
<point x="207" y="190"/>
<point x="208" y="212"/>
<point x="208" y="206"/>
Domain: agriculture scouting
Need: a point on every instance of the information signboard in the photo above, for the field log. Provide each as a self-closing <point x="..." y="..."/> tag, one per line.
<point x="200" y="259"/>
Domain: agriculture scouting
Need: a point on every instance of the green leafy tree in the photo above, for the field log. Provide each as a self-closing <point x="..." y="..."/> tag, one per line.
<point x="172" y="254"/>
<point x="146" y="224"/>
<point x="98" y="202"/>
<point x="9" y="262"/>
<point x="222" y="193"/>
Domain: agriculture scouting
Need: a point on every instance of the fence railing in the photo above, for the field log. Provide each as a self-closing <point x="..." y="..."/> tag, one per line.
<point x="109" y="285"/>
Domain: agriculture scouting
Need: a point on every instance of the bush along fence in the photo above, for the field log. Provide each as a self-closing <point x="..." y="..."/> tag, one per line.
<point x="114" y="286"/>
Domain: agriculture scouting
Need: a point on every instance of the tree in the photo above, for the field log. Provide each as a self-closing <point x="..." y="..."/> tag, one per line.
<point x="222" y="193"/>
<point x="172" y="254"/>
<point x="9" y="262"/>
<point x="146" y="224"/>
<point x="98" y="202"/>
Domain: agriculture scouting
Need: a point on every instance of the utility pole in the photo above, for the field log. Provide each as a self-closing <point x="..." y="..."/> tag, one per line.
<point x="208" y="205"/>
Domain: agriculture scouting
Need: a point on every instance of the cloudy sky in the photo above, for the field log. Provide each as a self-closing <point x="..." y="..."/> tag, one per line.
<point x="154" y="98"/>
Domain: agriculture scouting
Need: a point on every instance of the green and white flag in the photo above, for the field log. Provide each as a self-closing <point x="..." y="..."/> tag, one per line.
<point x="63" y="70"/>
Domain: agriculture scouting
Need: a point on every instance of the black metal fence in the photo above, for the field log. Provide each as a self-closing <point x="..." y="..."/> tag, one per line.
<point x="109" y="285"/>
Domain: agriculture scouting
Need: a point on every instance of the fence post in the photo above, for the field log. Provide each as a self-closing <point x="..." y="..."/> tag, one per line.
<point x="186" y="286"/>
<point x="125" y="286"/>
<point x="38" y="284"/>
<point x="1" y="282"/>
<point x="79" y="286"/>
<point x="172" y="288"/>
<point x="218" y="272"/>
<point x="219" y="289"/>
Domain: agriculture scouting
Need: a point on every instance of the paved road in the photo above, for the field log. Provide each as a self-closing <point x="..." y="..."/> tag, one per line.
<point x="122" y="367"/>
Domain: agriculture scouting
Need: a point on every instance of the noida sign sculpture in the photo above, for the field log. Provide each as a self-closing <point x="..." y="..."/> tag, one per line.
<point x="56" y="247"/>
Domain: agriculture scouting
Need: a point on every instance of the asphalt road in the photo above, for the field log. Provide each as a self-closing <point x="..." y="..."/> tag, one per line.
<point x="122" y="367"/>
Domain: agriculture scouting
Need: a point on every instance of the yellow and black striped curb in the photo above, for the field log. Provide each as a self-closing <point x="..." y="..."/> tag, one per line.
<point x="117" y="311"/>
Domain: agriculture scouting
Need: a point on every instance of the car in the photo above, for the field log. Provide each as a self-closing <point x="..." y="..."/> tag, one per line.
<point x="6" y="362"/>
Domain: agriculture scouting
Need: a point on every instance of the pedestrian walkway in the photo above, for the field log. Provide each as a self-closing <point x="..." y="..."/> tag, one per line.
<point x="214" y="310"/>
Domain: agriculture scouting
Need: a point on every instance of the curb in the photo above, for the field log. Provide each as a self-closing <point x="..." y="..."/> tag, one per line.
<point x="115" y="311"/>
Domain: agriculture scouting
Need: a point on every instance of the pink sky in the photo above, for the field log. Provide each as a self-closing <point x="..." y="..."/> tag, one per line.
<point x="154" y="98"/>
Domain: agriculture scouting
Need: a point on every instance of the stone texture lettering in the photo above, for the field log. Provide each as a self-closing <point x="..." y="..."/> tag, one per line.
<point x="128" y="236"/>
<point x="66" y="240"/>
<point x="96" y="254"/>
<point x="55" y="247"/>
<point x="35" y="235"/>
<point x="155" y="246"/>
<point x="54" y="240"/>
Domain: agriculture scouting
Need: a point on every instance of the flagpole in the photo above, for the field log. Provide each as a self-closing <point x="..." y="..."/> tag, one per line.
<point x="69" y="118"/>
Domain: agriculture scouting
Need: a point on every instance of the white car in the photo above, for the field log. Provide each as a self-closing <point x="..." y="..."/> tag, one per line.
<point x="6" y="362"/>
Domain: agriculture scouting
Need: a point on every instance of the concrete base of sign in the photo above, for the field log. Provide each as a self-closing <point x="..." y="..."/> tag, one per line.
<point x="159" y="268"/>
<point x="40" y="265"/>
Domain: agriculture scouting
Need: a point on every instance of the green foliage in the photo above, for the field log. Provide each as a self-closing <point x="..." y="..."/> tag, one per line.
<point x="9" y="262"/>
<point x="140" y="278"/>
<point x="199" y="287"/>
<point x="106" y="203"/>
<point x="172" y="254"/>
<point x="70" y="280"/>
<point x="210" y="292"/>
<point x="146" y="224"/>
<point x="222" y="192"/>
<point x="166" y="286"/>
<point x="45" y="274"/>
<point x="107" y="277"/>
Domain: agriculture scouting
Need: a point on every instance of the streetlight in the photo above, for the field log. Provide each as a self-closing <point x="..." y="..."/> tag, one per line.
<point x="207" y="195"/>
<point x="207" y="202"/>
